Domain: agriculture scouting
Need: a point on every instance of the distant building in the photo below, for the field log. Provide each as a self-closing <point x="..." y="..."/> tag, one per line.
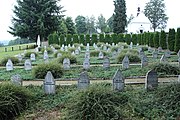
<point x="139" y="24"/>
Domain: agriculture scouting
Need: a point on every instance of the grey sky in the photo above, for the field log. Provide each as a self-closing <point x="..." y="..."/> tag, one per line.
<point x="89" y="8"/>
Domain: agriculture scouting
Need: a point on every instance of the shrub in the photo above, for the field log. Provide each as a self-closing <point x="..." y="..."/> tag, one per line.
<point x="130" y="51"/>
<point x="95" y="53"/>
<point x="162" y="40"/>
<point x="171" y="39"/>
<point x="13" y="59"/>
<point x="123" y="44"/>
<point x="72" y="58"/>
<point x="151" y="43"/>
<point x="94" y="39"/>
<point x="97" y="102"/>
<point x="99" y="44"/>
<point x="75" y="38"/>
<point x="27" y="54"/>
<point x="128" y="39"/>
<point x="71" y="49"/>
<point x="62" y="52"/>
<point x="56" y="46"/>
<point x="14" y="100"/>
<point x="166" y="69"/>
<point x="31" y="46"/>
<point x="132" y="57"/>
<point x="177" y="41"/>
<point x="134" y="39"/>
<point x="49" y="50"/>
<point x="156" y="39"/>
<point x="41" y="70"/>
<point x="115" y="48"/>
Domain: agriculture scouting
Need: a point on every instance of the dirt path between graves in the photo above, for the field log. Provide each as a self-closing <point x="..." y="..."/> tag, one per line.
<point x="127" y="81"/>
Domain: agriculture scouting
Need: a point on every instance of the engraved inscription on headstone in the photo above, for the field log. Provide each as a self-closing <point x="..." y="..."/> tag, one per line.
<point x="9" y="65"/>
<point x="118" y="81"/>
<point x="83" y="80"/>
<point x="101" y="55"/>
<point x="49" y="84"/>
<point x="16" y="79"/>
<point x="151" y="81"/>
<point x="20" y="57"/>
<point x="45" y="55"/>
<point x="144" y="61"/>
<point x="125" y="62"/>
<point x="33" y="57"/>
<point x="86" y="64"/>
<point x="27" y="65"/>
<point x="106" y="63"/>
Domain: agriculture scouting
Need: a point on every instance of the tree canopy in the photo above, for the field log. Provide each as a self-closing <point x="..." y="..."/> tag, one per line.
<point x="155" y="11"/>
<point x="80" y="23"/>
<point x="36" y="17"/>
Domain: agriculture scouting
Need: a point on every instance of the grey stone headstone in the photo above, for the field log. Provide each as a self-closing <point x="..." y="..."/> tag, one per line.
<point x="178" y="54"/>
<point x="33" y="57"/>
<point x="66" y="64"/>
<point x="45" y="56"/>
<point x="114" y="54"/>
<point x="160" y="49"/>
<point x="178" y="78"/>
<point x="101" y="55"/>
<point x="77" y="51"/>
<point x="27" y="65"/>
<point x="87" y="55"/>
<point x="59" y="55"/>
<point x="20" y="57"/>
<point x="36" y="50"/>
<point x="125" y="62"/>
<point x="113" y="44"/>
<point x="139" y="49"/>
<point x="163" y="59"/>
<point x="16" y="79"/>
<point x="141" y="54"/>
<point x="73" y="53"/>
<point x="118" y="81"/>
<point x="167" y="53"/>
<point x="131" y="45"/>
<point x="83" y="81"/>
<point x="151" y="81"/>
<point x="49" y="84"/>
<point x="106" y="63"/>
<point x="9" y="65"/>
<point x="62" y="48"/>
<point x="86" y="64"/>
<point x="104" y="47"/>
<point x="155" y="54"/>
<point x="144" y="61"/>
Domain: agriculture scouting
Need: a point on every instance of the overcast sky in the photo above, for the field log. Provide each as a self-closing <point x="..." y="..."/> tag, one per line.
<point x="89" y="8"/>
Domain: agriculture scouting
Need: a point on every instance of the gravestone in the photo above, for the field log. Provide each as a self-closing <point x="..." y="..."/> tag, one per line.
<point x="59" y="55"/>
<point x="113" y="44"/>
<point x="114" y="54"/>
<point x="141" y="54"/>
<point x="151" y="80"/>
<point x="16" y="79"/>
<point x="33" y="57"/>
<point x="73" y="53"/>
<point x="119" y="50"/>
<point x="179" y="61"/>
<point x="101" y="55"/>
<point x="45" y="56"/>
<point x="178" y="54"/>
<point x="106" y="63"/>
<point x="62" y="48"/>
<point x="27" y="65"/>
<point x="86" y="64"/>
<point x="20" y="57"/>
<point x="77" y="52"/>
<point x="36" y="50"/>
<point x="66" y="63"/>
<point x="79" y="48"/>
<point x="45" y="43"/>
<point x="118" y="81"/>
<point x="139" y="49"/>
<point x="83" y="81"/>
<point x="9" y="65"/>
<point x="163" y="59"/>
<point x="167" y="53"/>
<point x="178" y="78"/>
<point x="131" y="45"/>
<point x="144" y="61"/>
<point x="49" y="84"/>
<point x="155" y="54"/>
<point x="160" y="49"/>
<point x="104" y="47"/>
<point x="87" y="55"/>
<point x="125" y="62"/>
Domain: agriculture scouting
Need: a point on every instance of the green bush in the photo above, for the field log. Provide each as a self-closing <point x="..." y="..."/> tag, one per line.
<point x="49" y="50"/>
<point x="72" y="58"/>
<point x="132" y="57"/>
<point x="95" y="53"/>
<point x="99" y="44"/>
<point x="177" y="41"/>
<point x="41" y="70"/>
<point x="166" y="69"/>
<point x="132" y="51"/>
<point x="31" y="46"/>
<point x="62" y="52"/>
<point x="115" y="48"/>
<point x="27" y="54"/>
<point x="156" y="39"/>
<point x="71" y="49"/>
<point x="97" y="102"/>
<point x="13" y="59"/>
<point x="162" y="40"/>
<point x="123" y="44"/>
<point x="56" y="46"/>
<point x="13" y="100"/>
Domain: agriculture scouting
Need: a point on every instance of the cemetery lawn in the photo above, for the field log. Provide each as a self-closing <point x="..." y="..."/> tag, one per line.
<point x="162" y="103"/>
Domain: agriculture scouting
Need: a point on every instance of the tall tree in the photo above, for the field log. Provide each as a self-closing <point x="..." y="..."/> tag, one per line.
<point x="36" y="17"/>
<point x="119" y="21"/>
<point x="110" y="23"/>
<point x="91" y="25"/>
<point x="171" y="39"/>
<point x="162" y="40"/>
<point x="101" y="23"/>
<point x="177" y="41"/>
<point x="80" y="22"/>
<point x="155" y="11"/>
<point x="70" y="25"/>
<point x="62" y="27"/>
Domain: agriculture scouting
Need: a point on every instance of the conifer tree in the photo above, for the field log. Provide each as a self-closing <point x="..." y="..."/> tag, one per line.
<point x="171" y="39"/>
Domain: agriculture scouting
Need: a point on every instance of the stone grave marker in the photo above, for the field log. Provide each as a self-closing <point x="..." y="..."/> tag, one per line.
<point x="73" y="53"/>
<point x="163" y="59"/>
<point x="106" y="63"/>
<point x="151" y="80"/>
<point x="49" y="84"/>
<point x="69" y="45"/>
<point x="79" y="48"/>
<point x="16" y="79"/>
<point x="144" y="61"/>
<point x="118" y="81"/>
<point x="178" y="54"/>
<point x="139" y="49"/>
<point x="32" y="57"/>
<point x="141" y="54"/>
<point x="59" y="55"/>
<point x="155" y="54"/>
<point x="119" y="50"/>
<point x="160" y="49"/>
<point x="83" y="81"/>
<point x="77" y="52"/>
<point x="27" y="65"/>
<point x="62" y="48"/>
<point x="101" y="55"/>
<point x="104" y="47"/>
<point x="36" y="50"/>
<point x="45" y="56"/>
<point x="20" y="57"/>
<point x="86" y="64"/>
<point x="9" y="65"/>
<point x="167" y="53"/>
<point x="87" y="55"/>
<point x="131" y="45"/>
<point x="114" y="54"/>
<point x="178" y="78"/>
<point x="125" y="62"/>
<point x="66" y="64"/>
<point x="113" y="44"/>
